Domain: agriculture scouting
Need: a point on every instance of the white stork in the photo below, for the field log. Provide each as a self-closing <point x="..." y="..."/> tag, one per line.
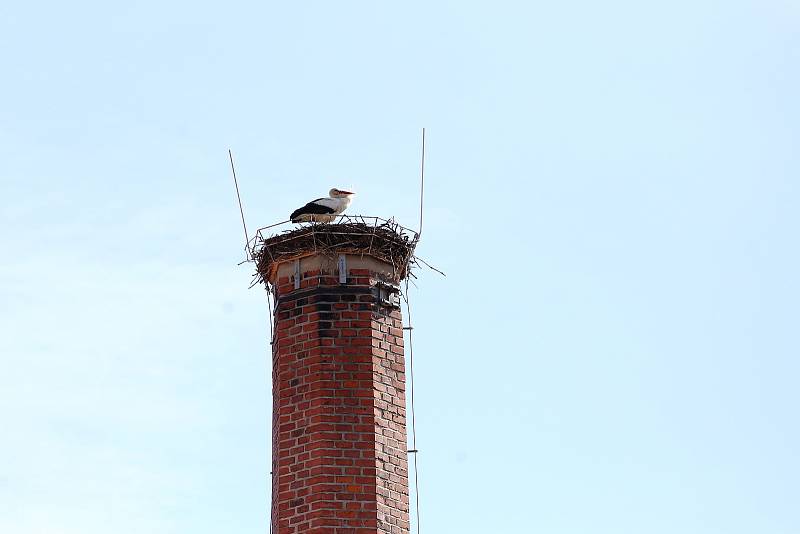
<point x="323" y="209"/>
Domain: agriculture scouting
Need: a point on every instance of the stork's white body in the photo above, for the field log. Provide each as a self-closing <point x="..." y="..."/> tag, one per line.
<point x="323" y="209"/>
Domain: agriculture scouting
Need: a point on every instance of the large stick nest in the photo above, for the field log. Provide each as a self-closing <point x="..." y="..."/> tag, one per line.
<point x="386" y="241"/>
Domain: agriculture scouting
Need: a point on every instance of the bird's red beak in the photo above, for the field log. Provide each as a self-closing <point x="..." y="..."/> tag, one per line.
<point x="346" y="192"/>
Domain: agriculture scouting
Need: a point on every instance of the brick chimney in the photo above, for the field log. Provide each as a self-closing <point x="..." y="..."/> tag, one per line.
<point x="339" y="456"/>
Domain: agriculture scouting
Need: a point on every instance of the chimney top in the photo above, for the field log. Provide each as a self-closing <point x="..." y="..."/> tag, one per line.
<point x="384" y="240"/>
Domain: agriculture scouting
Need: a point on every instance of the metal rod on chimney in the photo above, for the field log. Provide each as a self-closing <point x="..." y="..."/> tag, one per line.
<point x="421" y="184"/>
<point x="238" y="196"/>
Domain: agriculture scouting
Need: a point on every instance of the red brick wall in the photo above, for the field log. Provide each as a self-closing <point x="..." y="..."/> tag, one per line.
<point x="339" y="422"/>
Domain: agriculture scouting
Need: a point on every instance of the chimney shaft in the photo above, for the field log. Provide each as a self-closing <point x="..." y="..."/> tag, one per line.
<point x="339" y="456"/>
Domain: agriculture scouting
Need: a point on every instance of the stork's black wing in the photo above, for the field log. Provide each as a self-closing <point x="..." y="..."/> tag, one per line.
<point x="312" y="208"/>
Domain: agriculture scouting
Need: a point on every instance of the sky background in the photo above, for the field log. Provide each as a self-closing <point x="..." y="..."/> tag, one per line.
<point x="612" y="190"/>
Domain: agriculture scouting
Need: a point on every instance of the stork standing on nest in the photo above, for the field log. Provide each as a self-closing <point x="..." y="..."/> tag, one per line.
<point x="323" y="209"/>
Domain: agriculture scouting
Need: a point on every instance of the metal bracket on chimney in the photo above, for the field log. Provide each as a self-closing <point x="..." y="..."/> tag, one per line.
<point x="297" y="274"/>
<point x="342" y="269"/>
<point x="386" y="295"/>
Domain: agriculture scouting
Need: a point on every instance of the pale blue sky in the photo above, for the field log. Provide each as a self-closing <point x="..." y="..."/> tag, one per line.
<point x="612" y="191"/>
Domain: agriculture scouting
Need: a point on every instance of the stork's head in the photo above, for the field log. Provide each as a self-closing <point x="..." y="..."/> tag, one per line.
<point x="340" y="193"/>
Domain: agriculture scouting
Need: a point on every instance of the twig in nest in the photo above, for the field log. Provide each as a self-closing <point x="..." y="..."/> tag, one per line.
<point x="430" y="266"/>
